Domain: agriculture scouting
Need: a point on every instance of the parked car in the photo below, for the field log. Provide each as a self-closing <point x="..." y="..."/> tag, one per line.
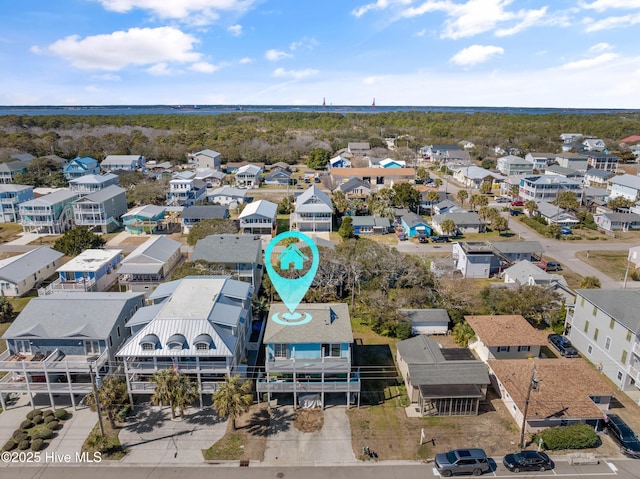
<point x="501" y="199"/>
<point x="423" y="238"/>
<point x="462" y="461"/>
<point x="515" y="212"/>
<point x="316" y="179"/>
<point x="623" y="435"/>
<point x="565" y="231"/>
<point x="402" y="237"/>
<point x="563" y="345"/>
<point x="552" y="266"/>
<point x="517" y="202"/>
<point x="527" y="461"/>
<point x="439" y="239"/>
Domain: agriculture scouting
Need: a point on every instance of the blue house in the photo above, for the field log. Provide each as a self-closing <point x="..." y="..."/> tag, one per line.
<point x="414" y="224"/>
<point x="292" y="255"/>
<point x="310" y="360"/>
<point x="339" y="162"/>
<point x="81" y="166"/>
<point x="367" y="225"/>
<point x="10" y="197"/>
<point x="146" y="219"/>
<point x="91" y="270"/>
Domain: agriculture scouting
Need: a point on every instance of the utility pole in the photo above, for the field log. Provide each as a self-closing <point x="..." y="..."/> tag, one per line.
<point x="532" y="384"/>
<point x="97" y="398"/>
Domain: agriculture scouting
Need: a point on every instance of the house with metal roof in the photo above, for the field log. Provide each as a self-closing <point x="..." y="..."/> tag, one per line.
<point x="186" y="192"/>
<point x="9" y="169"/>
<point x="278" y="176"/>
<point x="598" y="178"/>
<point x="149" y="264"/>
<point x="237" y="255"/>
<point x="227" y="195"/>
<point x="367" y="225"/>
<point x="21" y="273"/>
<point x="555" y="214"/>
<point x="605" y="327"/>
<point x="355" y="188"/>
<point x="123" y="163"/>
<point x="259" y="217"/>
<point x="81" y="166"/>
<point x="514" y="165"/>
<point x="58" y="341"/>
<point x="313" y="211"/>
<point x="339" y="162"/>
<point x="625" y="186"/>
<point x="427" y="321"/>
<point x="441" y="382"/>
<point x="91" y="270"/>
<point x="48" y="214"/>
<point x="547" y="187"/>
<point x="87" y="184"/>
<point x="465" y="221"/>
<point x="101" y="210"/>
<point x="311" y="358"/>
<point x="249" y="175"/>
<point x="206" y="159"/>
<point x="10" y="198"/>
<point x="615" y="221"/>
<point x="539" y="159"/>
<point x="194" y="214"/>
<point x="200" y="330"/>
<point x="147" y="219"/>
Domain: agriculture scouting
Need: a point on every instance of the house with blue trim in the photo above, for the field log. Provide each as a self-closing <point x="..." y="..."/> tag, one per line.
<point x="87" y="184"/>
<point x="81" y="166"/>
<point x="147" y="219"/>
<point x="339" y="162"/>
<point x="10" y="168"/>
<point x="414" y="224"/>
<point x="123" y="163"/>
<point x="10" y="198"/>
<point x="48" y="214"/>
<point x="312" y="360"/>
<point x="368" y="225"/>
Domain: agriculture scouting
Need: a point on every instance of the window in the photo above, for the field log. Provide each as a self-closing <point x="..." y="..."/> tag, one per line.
<point x="582" y="302"/>
<point x="619" y="375"/>
<point x="202" y="346"/>
<point x="281" y="351"/>
<point x="607" y="343"/>
<point x="628" y="336"/>
<point x="590" y="349"/>
<point x="110" y="342"/>
<point x="594" y="311"/>
<point x="331" y="350"/>
<point x="612" y="322"/>
<point x="595" y="334"/>
<point x="623" y="358"/>
<point x="586" y="326"/>
<point x="91" y="347"/>
<point x="148" y="346"/>
<point x="118" y="331"/>
<point x="503" y="349"/>
<point x="524" y="348"/>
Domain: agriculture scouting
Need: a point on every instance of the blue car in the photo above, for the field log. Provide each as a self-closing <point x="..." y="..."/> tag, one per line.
<point x="565" y="231"/>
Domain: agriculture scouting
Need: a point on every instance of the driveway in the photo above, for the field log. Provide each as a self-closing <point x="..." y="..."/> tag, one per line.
<point x="153" y="438"/>
<point x="288" y="446"/>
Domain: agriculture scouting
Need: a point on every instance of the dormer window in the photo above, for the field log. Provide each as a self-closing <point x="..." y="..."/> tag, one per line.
<point x="203" y="342"/>
<point x="177" y="341"/>
<point x="149" y="342"/>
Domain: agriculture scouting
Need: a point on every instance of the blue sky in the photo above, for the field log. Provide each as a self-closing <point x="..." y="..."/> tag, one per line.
<point x="517" y="53"/>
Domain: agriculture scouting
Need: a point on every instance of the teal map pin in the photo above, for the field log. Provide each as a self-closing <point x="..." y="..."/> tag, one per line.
<point x="292" y="290"/>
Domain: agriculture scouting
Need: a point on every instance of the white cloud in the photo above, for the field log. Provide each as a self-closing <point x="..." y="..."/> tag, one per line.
<point x="602" y="5"/>
<point x="612" y="22"/>
<point x="306" y="43"/>
<point x="203" y="67"/>
<point x="160" y="69"/>
<point x="378" y="5"/>
<point x="235" y="30"/>
<point x="107" y="77"/>
<point x="476" y="54"/>
<point x="137" y="46"/>
<point x="295" y="74"/>
<point x="246" y="60"/>
<point x="193" y="11"/>
<point x="274" y="55"/>
<point x="530" y="18"/>
<point x="600" y="47"/>
<point x="589" y="63"/>
<point x="421" y="33"/>
<point x="93" y="89"/>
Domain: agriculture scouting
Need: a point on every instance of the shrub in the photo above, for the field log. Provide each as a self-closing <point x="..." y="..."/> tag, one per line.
<point x="10" y="445"/>
<point x="44" y="433"/>
<point x="37" y="419"/>
<point x="47" y="413"/>
<point x="61" y="414"/>
<point x="53" y="425"/>
<point x="403" y="330"/>
<point x="48" y="419"/>
<point x="575" y="436"/>
<point x="26" y="424"/>
<point x="33" y="413"/>
<point x="37" y="444"/>
<point x="20" y="435"/>
<point x="24" y="445"/>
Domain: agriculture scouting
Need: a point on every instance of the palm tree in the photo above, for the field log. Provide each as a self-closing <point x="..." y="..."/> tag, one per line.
<point x="448" y="226"/>
<point x="531" y="206"/>
<point x="112" y="395"/>
<point x="590" y="282"/>
<point x="176" y="390"/>
<point x="232" y="398"/>
<point x="474" y="200"/>
<point x="437" y="182"/>
<point x="432" y="197"/>
<point x="482" y="200"/>
<point x="462" y="195"/>
<point x="500" y="224"/>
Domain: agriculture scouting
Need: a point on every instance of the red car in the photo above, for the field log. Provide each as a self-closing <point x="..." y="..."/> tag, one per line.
<point x="517" y="202"/>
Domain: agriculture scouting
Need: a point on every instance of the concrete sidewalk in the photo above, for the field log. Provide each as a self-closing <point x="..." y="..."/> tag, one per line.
<point x="24" y="239"/>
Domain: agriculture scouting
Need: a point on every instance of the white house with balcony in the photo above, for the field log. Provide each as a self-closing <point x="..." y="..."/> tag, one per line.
<point x="87" y="184"/>
<point x="547" y="187"/>
<point x="313" y="211"/>
<point x="48" y="214"/>
<point x="312" y="359"/>
<point x="200" y="330"/>
<point x="186" y="192"/>
<point x="514" y="165"/>
<point x="625" y="186"/>
<point x="57" y="340"/>
<point x="101" y="210"/>
<point x="259" y="217"/>
<point x="605" y="327"/>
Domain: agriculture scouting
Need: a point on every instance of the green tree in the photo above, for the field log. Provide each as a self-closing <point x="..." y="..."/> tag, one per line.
<point x="619" y="202"/>
<point x="567" y="200"/>
<point x="422" y="173"/>
<point x="232" y="398"/>
<point x="462" y="195"/>
<point x="112" y="395"/>
<point x="499" y="223"/>
<point x="514" y="191"/>
<point x="553" y="230"/>
<point x="205" y="228"/>
<point x="531" y="206"/>
<point x="437" y="182"/>
<point x="448" y="226"/>
<point x="590" y="282"/>
<point x="318" y="158"/>
<point x="482" y="200"/>
<point x="174" y="389"/>
<point x="432" y="197"/>
<point x="475" y="200"/>
<point x="75" y="241"/>
<point x="486" y="188"/>
<point x="287" y="205"/>
<point x="463" y="334"/>
<point x="346" y="228"/>
<point x="405" y="196"/>
<point x="535" y="303"/>
<point x="6" y="311"/>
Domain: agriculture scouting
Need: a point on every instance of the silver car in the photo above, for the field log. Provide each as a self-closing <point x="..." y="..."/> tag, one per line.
<point x="462" y="461"/>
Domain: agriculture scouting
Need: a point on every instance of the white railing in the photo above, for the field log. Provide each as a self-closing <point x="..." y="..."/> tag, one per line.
<point x="183" y="367"/>
<point x="86" y="284"/>
<point x="303" y="386"/>
<point x="53" y="362"/>
<point x="636" y="348"/>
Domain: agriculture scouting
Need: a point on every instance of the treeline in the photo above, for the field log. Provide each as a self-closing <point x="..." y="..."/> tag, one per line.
<point x="289" y="136"/>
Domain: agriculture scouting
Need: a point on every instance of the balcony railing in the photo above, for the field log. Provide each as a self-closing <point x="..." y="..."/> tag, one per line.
<point x="309" y="365"/>
<point x="71" y="286"/>
<point x="184" y="367"/>
<point x="51" y="362"/>
<point x="351" y="386"/>
<point x="636" y="348"/>
<point x="16" y="384"/>
<point x="147" y="387"/>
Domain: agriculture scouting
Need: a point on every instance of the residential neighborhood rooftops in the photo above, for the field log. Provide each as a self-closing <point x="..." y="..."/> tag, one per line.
<point x="506" y="330"/>
<point x="261" y="207"/>
<point x="630" y="181"/>
<point x="330" y="323"/>
<point x="205" y="212"/>
<point x="90" y="260"/>
<point x="16" y="268"/>
<point x="425" y="315"/>
<point x="565" y="387"/>
<point x="620" y="304"/>
<point x="373" y="172"/>
<point x="512" y="247"/>
<point x="227" y="248"/>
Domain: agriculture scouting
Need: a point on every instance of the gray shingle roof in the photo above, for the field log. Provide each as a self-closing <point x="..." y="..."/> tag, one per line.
<point x="425" y="315"/>
<point x="218" y="212"/>
<point x="376" y="221"/>
<point x="621" y="304"/>
<point x="71" y="315"/>
<point x="412" y="219"/>
<point x="102" y="195"/>
<point x="228" y="249"/>
<point x="17" y="268"/>
<point x="353" y="183"/>
<point x="518" y="246"/>
<point x="321" y="329"/>
<point x="460" y="219"/>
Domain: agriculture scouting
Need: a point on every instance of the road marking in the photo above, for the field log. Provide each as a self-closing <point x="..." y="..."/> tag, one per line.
<point x="611" y="466"/>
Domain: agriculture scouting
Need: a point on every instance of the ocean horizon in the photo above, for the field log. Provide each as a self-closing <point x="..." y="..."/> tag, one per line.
<point x="343" y="109"/>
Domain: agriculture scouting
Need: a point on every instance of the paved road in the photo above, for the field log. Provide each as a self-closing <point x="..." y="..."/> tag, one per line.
<point x="623" y="469"/>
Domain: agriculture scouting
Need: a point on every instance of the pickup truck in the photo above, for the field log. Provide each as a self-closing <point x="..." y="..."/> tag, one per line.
<point x="563" y="345"/>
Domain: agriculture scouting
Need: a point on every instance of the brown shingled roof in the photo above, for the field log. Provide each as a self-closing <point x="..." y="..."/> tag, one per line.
<point x="563" y="390"/>
<point x="506" y="330"/>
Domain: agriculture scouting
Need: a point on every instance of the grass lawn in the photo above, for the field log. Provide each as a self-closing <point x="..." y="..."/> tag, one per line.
<point x="611" y="263"/>
<point x="9" y="231"/>
<point x="112" y="449"/>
